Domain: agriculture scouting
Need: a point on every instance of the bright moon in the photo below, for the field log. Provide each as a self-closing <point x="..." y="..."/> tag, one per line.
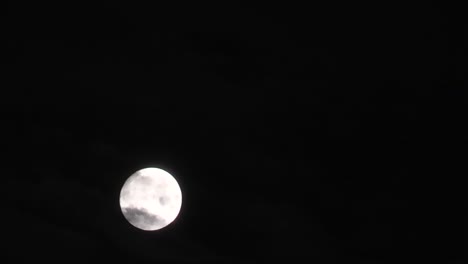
<point x="150" y="199"/>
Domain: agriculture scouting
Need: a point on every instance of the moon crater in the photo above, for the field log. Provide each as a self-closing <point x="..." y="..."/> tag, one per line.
<point x="163" y="200"/>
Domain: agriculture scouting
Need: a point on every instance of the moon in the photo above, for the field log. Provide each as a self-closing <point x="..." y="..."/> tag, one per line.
<point x="150" y="199"/>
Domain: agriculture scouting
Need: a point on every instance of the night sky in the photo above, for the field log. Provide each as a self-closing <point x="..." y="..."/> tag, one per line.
<point x="326" y="133"/>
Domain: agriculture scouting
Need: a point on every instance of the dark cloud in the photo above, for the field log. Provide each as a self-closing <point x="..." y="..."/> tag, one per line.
<point x="80" y="221"/>
<point x="142" y="218"/>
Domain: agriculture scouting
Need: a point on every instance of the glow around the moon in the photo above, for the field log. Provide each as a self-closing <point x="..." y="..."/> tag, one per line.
<point x="150" y="199"/>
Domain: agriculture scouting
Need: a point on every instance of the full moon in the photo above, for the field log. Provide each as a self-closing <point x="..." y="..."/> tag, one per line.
<point x="150" y="199"/>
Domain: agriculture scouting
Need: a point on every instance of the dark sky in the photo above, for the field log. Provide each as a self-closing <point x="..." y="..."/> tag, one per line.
<point x="325" y="133"/>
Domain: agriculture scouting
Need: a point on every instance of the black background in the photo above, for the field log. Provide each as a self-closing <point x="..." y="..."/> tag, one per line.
<point x="326" y="133"/>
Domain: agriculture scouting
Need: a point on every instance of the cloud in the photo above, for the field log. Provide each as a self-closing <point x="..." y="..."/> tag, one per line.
<point x="141" y="218"/>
